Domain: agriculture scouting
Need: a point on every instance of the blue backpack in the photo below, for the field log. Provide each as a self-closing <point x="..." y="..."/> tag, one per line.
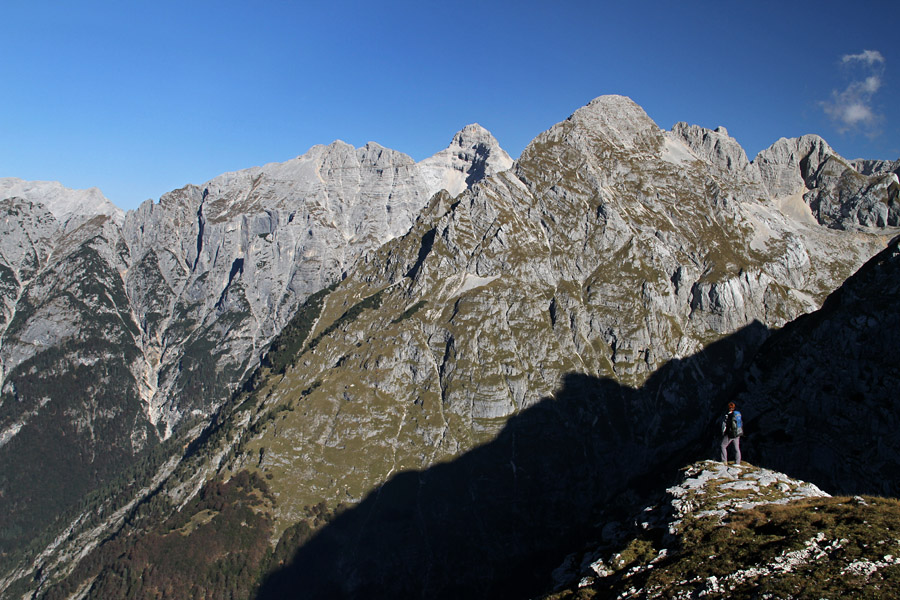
<point x="734" y="425"/>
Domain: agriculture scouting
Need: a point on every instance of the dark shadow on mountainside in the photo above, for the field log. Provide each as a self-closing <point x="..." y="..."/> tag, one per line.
<point x="821" y="398"/>
<point x="496" y="521"/>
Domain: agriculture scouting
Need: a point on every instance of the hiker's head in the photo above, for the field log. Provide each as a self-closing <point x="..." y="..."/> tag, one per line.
<point x="731" y="406"/>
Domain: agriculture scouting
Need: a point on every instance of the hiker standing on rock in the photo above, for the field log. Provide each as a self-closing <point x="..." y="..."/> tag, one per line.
<point x="732" y="430"/>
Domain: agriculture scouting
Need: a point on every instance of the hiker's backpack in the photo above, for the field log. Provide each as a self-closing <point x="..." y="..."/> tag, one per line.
<point x="734" y="426"/>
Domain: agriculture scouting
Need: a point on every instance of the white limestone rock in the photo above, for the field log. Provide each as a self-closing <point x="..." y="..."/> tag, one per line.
<point x="706" y="489"/>
<point x="714" y="488"/>
<point x="66" y="205"/>
<point x="472" y="155"/>
<point x="840" y="194"/>
<point x="787" y="164"/>
<point x="718" y="149"/>
<point x="251" y="245"/>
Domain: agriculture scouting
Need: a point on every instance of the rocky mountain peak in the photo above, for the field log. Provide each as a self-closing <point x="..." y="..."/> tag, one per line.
<point x="617" y="119"/>
<point x="473" y="154"/>
<point x="786" y="165"/>
<point x="610" y="129"/>
<point x="471" y="135"/>
<point x="840" y="194"/>
<point x="66" y="205"/>
<point x="713" y="145"/>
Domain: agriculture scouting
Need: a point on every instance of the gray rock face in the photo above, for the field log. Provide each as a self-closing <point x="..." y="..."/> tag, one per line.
<point x="472" y="155"/>
<point x="611" y="250"/>
<point x="840" y="194"/>
<point x="220" y="268"/>
<point x="26" y="237"/>
<point x="875" y="167"/>
<point x="114" y="331"/>
<point x="843" y="198"/>
<point x="716" y="148"/>
<point x="65" y="204"/>
<point x="788" y="164"/>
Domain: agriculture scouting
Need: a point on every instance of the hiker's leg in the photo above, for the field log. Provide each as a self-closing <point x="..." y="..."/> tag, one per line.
<point x="725" y="441"/>
<point x="737" y="450"/>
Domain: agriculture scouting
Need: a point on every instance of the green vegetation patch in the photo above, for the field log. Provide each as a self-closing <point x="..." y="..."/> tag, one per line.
<point x="59" y="440"/>
<point x="216" y="547"/>
<point x="287" y="344"/>
<point x="370" y="302"/>
<point x="409" y="312"/>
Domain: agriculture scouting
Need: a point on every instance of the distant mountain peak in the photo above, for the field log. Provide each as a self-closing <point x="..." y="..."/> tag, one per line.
<point x="606" y="123"/>
<point x="473" y="153"/>
<point x="471" y="134"/>
<point x="607" y="101"/>
<point x="620" y="118"/>
<point x="64" y="203"/>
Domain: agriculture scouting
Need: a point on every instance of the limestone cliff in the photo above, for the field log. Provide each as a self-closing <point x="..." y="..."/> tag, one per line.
<point x="120" y="332"/>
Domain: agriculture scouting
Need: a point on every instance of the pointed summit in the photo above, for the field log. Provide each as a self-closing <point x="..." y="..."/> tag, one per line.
<point x="471" y="135"/>
<point x="472" y="155"/>
<point x="607" y="124"/>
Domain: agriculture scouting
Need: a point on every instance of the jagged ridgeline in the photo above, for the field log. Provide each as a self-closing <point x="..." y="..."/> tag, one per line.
<point x="120" y="332"/>
<point x="499" y="365"/>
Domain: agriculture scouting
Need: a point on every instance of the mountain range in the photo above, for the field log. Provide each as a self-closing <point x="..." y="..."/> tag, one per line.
<point x="356" y="375"/>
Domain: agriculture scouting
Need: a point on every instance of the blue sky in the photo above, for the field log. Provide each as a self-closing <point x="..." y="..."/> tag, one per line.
<point x="139" y="98"/>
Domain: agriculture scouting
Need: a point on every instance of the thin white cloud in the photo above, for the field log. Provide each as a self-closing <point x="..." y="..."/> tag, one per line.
<point x="869" y="57"/>
<point x="852" y="108"/>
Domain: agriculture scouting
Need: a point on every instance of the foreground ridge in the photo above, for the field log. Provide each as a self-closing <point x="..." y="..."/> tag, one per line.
<point x="742" y="531"/>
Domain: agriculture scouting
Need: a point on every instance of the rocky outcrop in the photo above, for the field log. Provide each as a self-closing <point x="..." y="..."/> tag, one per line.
<point x="705" y="490"/>
<point x="716" y="148"/>
<point x="875" y="167"/>
<point x="736" y="532"/>
<point x="839" y="195"/>
<point x="797" y="172"/>
<point x="787" y="165"/>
